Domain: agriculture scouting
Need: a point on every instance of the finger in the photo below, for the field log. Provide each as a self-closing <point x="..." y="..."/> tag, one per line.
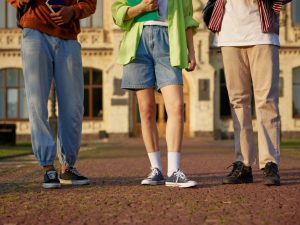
<point x="58" y="20"/>
<point x="56" y="14"/>
<point x="154" y="7"/>
<point x="24" y="2"/>
<point x="193" y="66"/>
<point x="61" y="22"/>
<point x="56" y="17"/>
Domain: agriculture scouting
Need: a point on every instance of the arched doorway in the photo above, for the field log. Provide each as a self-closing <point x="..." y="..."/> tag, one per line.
<point x="161" y="114"/>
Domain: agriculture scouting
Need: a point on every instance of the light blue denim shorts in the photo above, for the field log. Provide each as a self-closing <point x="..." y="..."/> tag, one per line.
<point x="152" y="67"/>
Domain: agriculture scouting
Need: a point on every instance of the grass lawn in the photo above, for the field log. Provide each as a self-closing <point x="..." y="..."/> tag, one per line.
<point x="290" y="144"/>
<point x="14" y="151"/>
<point x="7" y="153"/>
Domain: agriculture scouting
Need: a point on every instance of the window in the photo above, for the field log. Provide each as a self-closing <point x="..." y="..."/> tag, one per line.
<point x="93" y="93"/>
<point x="7" y="15"/>
<point x="12" y="95"/>
<point x="296" y="92"/>
<point x="225" y="110"/>
<point x="95" y="20"/>
<point x="296" y="12"/>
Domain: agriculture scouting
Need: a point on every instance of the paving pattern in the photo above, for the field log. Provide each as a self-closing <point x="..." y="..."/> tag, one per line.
<point x="116" y="196"/>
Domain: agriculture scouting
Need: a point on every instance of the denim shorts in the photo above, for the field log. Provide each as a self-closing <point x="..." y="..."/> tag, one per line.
<point x="151" y="67"/>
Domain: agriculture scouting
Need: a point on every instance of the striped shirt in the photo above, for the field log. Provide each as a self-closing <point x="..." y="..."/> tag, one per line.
<point x="268" y="9"/>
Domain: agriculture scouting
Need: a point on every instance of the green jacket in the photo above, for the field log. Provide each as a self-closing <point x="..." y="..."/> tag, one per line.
<point x="180" y="17"/>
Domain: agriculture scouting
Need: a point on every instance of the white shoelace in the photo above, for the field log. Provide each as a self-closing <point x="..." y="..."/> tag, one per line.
<point x="180" y="174"/>
<point x="153" y="173"/>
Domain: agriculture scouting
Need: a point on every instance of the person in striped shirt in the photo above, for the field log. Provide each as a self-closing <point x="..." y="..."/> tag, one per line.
<point x="248" y="33"/>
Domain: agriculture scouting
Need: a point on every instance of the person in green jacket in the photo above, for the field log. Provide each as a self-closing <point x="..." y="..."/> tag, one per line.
<point x="153" y="53"/>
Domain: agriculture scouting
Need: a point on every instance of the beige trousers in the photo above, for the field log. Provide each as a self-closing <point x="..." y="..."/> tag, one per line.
<point x="257" y="65"/>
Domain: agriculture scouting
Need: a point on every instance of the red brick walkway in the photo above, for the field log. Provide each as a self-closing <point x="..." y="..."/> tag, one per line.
<point x="115" y="196"/>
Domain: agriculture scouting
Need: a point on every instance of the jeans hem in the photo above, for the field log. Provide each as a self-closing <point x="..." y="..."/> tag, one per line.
<point x="46" y="163"/>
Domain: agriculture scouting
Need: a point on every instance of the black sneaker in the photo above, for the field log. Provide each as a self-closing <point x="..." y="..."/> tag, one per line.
<point x="239" y="174"/>
<point x="72" y="176"/>
<point x="51" y="179"/>
<point x="154" y="178"/>
<point x="271" y="174"/>
<point x="178" y="179"/>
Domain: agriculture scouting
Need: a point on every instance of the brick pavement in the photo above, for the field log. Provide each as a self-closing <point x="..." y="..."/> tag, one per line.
<point x="115" y="196"/>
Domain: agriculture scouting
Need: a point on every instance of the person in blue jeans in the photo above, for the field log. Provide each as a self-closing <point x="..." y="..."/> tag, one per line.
<point x="153" y="53"/>
<point x="50" y="51"/>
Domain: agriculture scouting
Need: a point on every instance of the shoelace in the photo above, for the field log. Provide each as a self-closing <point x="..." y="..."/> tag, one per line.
<point x="153" y="173"/>
<point x="270" y="170"/>
<point x="51" y="174"/>
<point x="75" y="171"/>
<point x="236" y="170"/>
<point x="180" y="174"/>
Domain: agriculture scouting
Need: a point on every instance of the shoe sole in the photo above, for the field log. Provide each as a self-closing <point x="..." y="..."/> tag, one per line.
<point x="51" y="186"/>
<point x="238" y="182"/>
<point x="171" y="184"/>
<point x="269" y="183"/>
<point x="152" y="183"/>
<point x="74" y="182"/>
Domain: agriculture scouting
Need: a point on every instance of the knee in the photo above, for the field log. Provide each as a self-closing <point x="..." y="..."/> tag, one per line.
<point x="240" y="102"/>
<point x="176" y="110"/>
<point x="147" y="112"/>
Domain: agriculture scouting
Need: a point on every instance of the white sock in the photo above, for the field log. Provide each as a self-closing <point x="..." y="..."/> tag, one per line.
<point x="155" y="161"/>
<point x="173" y="162"/>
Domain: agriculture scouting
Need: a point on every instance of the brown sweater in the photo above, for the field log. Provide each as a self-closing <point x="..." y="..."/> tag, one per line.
<point x="38" y="17"/>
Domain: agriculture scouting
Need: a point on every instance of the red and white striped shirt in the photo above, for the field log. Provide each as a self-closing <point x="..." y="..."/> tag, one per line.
<point x="268" y="9"/>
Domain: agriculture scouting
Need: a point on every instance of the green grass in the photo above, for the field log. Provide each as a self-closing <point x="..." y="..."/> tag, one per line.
<point x="290" y="144"/>
<point x="13" y="152"/>
<point x="20" y="149"/>
<point x="23" y="144"/>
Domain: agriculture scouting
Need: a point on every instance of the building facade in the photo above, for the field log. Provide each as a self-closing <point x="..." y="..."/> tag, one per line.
<point x="112" y="112"/>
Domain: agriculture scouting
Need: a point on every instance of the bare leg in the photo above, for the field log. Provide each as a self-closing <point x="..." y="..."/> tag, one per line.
<point x="147" y="109"/>
<point x="173" y="97"/>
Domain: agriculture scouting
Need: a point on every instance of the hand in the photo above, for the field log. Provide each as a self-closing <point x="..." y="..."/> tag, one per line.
<point x="63" y="16"/>
<point x="192" y="62"/>
<point x="149" y="5"/>
<point x="24" y="2"/>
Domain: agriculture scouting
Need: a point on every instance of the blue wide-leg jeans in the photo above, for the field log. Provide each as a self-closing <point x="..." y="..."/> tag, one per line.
<point x="46" y="58"/>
